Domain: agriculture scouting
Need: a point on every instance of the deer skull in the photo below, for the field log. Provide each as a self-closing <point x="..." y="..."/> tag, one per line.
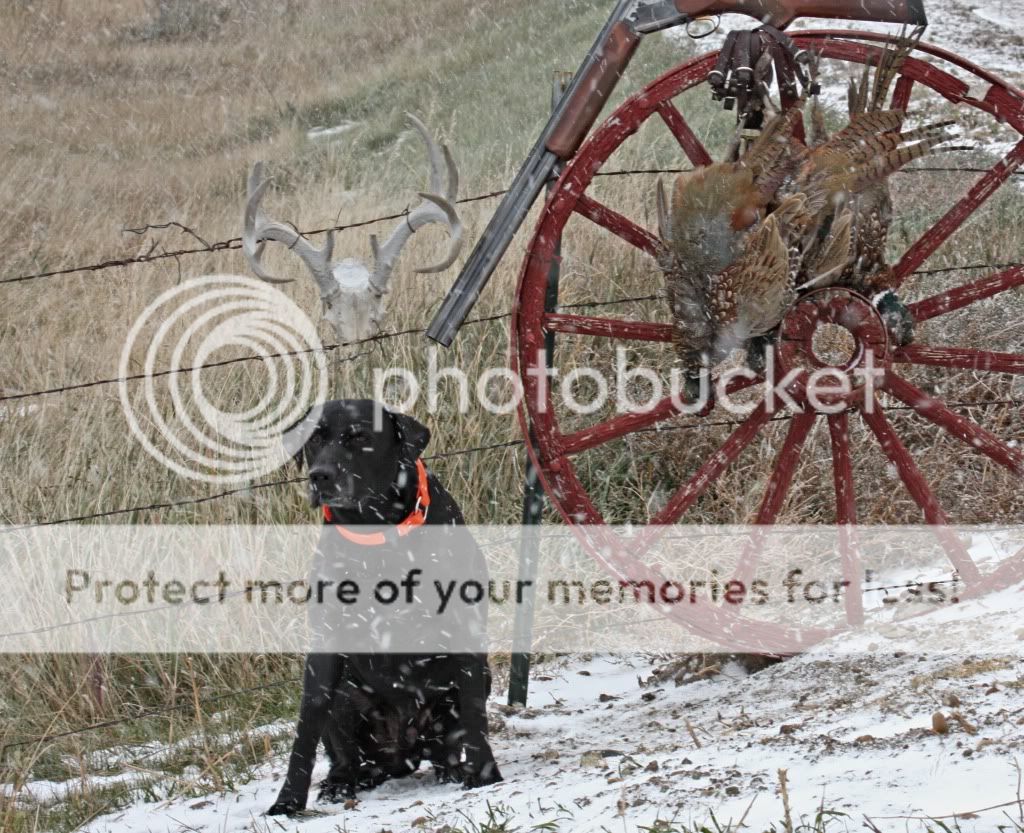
<point x="353" y="294"/>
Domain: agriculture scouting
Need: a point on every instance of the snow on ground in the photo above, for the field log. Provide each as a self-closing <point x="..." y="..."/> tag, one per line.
<point x="988" y="32"/>
<point x="606" y="746"/>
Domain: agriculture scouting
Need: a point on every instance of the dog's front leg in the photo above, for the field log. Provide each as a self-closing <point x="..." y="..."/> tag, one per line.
<point x="320" y="683"/>
<point x="342" y="746"/>
<point x="442" y="735"/>
<point x="480" y="768"/>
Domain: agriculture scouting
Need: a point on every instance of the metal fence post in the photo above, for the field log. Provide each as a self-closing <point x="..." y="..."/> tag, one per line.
<point x="533" y="494"/>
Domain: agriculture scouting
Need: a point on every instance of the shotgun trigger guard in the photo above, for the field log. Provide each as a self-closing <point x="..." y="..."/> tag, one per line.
<point x="694" y="27"/>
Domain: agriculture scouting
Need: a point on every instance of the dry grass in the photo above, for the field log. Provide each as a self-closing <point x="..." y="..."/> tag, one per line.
<point x="116" y="118"/>
<point x="115" y="121"/>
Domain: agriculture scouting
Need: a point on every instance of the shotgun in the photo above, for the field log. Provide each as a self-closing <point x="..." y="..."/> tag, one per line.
<point x="583" y="101"/>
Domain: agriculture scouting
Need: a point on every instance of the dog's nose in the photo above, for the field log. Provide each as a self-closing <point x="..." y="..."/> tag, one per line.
<point x="320" y="475"/>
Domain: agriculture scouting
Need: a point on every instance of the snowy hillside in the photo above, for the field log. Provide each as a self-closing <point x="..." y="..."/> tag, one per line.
<point x="607" y="744"/>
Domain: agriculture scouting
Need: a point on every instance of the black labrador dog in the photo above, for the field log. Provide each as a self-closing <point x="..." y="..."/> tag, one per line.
<point x="386" y="686"/>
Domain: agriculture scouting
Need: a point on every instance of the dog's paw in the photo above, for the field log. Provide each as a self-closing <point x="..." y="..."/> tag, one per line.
<point x="287" y="806"/>
<point x="335" y="792"/>
<point x="487" y="775"/>
<point x="446" y="775"/>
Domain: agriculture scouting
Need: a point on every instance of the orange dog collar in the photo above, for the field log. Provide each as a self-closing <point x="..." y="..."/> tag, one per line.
<point x="416" y="518"/>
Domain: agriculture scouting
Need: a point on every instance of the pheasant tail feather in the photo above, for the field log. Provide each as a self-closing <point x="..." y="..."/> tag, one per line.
<point x="891" y="63"/>
<point x="887" y="164"/>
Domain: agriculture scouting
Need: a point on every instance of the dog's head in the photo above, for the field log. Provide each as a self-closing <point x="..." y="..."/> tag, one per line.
<point x="360" y="457"/>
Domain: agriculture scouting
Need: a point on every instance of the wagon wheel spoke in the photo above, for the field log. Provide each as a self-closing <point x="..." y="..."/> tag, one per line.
<point x="713" y="467"/>
<point x="688" y="141"/>
<point x="785" y="468"/>
<point x="954" y="424"/>
<point x="961" y="358"/>
<point x="842" y="469"/>
<point x="959" y="213"/>
<point x="618" y="427"/>
<point x="964" y="296"/>
<point x="901" y="94"/>
<point x="776" y="491"/>
<point x="607" y="327"/>
<point x="917" y="487"/>
<point x="907" y="469"/>
<point x="631" y="423"/>
<point x="618" y="225"/>
<point x="846" y="515"/>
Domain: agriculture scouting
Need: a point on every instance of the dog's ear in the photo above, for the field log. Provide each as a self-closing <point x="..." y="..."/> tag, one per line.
<point x="412" y="434"/>
<point x="296" y="435"/>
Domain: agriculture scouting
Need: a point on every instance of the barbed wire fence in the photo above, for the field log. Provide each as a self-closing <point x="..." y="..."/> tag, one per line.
<point x="235" y="243"/>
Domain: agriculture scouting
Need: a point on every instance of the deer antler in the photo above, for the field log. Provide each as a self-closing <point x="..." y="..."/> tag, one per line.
<point x="437" y="207"/>
<point x="258" y="230"/>
<point x="352" y="294"/>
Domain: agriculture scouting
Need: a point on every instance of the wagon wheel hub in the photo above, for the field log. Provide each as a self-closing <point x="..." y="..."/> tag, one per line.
<point x="829" y="336"/>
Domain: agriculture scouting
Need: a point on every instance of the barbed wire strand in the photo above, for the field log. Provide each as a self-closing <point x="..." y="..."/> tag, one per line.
<point x="230" y="244"/>
<point x="235" y="243"/>
<point x="442" y="455"/>
<point x="242" y="490"/>
<point x="381" y="337"/>
<point x="327" y="348"/>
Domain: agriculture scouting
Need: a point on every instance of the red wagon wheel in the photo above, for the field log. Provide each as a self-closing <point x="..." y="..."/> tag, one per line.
<point x="557" y="442"/>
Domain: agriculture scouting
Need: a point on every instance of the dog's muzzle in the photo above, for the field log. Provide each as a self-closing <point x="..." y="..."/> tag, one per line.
<point x="325" y="490"/>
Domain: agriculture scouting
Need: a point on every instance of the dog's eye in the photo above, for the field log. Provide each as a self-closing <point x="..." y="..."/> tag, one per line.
<point x="354" y="438"/>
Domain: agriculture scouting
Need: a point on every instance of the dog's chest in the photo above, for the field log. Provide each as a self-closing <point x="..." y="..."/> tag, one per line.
<point x="401" y="597"/>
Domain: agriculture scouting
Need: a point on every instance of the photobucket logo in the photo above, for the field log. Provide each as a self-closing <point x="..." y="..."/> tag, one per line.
<point x="628" y="389"/>
<point x="220" y="426"/>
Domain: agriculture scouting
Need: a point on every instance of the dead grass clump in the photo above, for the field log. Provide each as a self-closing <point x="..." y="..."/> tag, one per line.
<point x="174" y="19"/>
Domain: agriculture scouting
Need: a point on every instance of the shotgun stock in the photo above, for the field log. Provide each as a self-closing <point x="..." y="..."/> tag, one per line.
<point x="590" y="89"/>
<point x="780" y="13"/>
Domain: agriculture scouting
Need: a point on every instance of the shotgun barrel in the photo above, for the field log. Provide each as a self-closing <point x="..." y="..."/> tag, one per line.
<point x="590" y="89"/>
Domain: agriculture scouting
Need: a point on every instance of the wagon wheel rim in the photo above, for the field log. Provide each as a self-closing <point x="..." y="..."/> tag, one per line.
<point x="552" y="451"/>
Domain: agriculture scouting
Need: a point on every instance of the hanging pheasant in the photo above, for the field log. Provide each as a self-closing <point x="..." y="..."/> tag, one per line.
<point x="733" y="246"/>
<point x="874" y="134"/>
<point x="741" y="238"/>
